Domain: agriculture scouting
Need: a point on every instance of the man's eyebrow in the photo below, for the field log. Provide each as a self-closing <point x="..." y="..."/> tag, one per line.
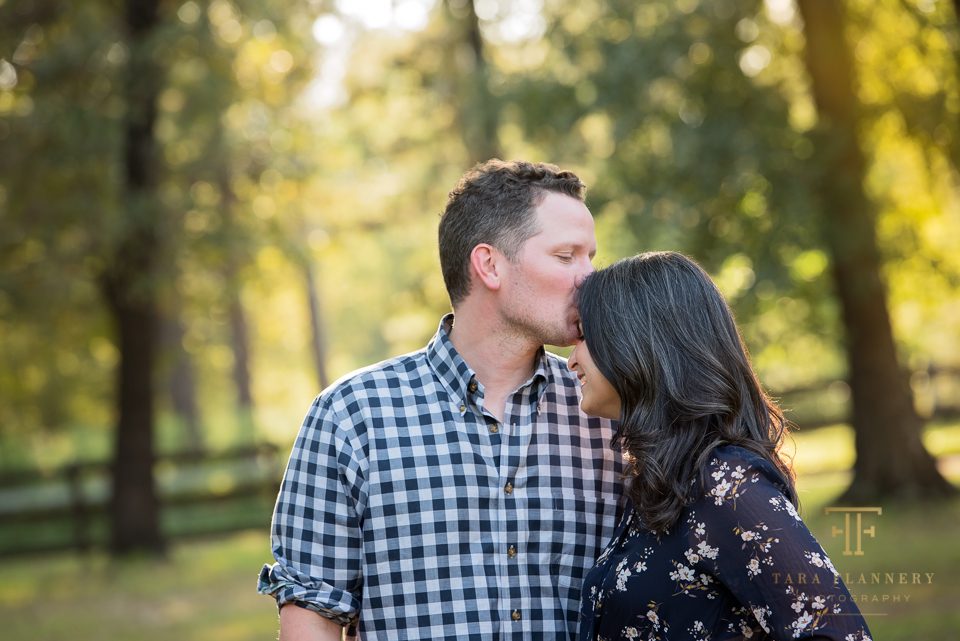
<point x="572" y="244"/>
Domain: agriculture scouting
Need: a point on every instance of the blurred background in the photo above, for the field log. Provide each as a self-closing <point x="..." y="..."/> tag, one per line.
<point x="209" y="210"/>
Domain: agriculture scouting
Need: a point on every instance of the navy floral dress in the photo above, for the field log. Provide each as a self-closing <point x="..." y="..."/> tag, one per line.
<point x="739" y="564"/>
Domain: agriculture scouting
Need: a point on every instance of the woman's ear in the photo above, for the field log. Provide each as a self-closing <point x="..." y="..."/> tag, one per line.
<point x="485" y="261"/>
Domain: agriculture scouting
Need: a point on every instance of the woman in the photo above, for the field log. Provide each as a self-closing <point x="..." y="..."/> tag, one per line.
<point x="711" y="546"/>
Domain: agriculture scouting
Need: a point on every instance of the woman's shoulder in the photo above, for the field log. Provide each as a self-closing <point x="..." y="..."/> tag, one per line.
<point x="741" y="462"/>
<point x="728" y="452"/>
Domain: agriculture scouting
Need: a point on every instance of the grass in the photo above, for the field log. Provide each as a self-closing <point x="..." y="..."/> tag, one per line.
<point x="907" y="582"/>
<point x="909" y="539"/>
<point x="203" y="591"/>
<point x="206" y="589"/>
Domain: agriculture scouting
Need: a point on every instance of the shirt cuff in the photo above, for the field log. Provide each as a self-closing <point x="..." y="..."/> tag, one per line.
<point x="335" y="604"/>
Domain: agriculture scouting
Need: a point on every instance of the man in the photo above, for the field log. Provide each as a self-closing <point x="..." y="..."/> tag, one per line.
<point x="457" y="492"/>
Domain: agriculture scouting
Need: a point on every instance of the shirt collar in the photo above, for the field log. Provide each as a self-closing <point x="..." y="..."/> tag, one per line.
<point x="456" y="375"/>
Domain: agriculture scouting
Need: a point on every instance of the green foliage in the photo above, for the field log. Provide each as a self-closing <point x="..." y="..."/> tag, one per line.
<point x="690" y="121"/>
<point x="58" y="118"/>
<point x="704" y="157"/>
<point x="232" y="71"/>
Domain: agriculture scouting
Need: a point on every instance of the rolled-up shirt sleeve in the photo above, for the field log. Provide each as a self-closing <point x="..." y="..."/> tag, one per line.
<point x="316" y="535"/>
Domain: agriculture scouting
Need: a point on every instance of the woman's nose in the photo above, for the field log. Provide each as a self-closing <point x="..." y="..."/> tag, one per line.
<point x="572" y="360"/>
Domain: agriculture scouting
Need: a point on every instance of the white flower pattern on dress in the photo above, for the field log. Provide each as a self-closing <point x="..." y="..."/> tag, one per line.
<point x="780" y="503"/>
<point x="742" y="622"/>
<point x="759" y="544"/>
<point x="731" y="536"/>
<point x="760" y="613"/>
<point x="625" y="571"/>
<point x="706" y="551"/>
<point x="649" y="626"/>
<point x="811" y="612"/>
<point x="685" y="575"/>
<point x="698" y="631"/>
<point x="727" y="490"/>
<point x="821" y="560"/>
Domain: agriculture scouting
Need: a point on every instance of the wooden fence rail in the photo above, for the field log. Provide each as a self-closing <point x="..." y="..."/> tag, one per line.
<point x="936" y="390"/>
<point x="66" y="508"/>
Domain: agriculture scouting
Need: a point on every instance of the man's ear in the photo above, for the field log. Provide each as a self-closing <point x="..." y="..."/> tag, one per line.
<point x="485" y="261"/>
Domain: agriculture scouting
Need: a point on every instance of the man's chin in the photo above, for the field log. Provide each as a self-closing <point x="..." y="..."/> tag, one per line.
<point x="562" y="340"/>
<point x="557" y="336"/>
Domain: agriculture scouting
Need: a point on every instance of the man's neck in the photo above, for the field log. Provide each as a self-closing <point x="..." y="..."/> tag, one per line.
<point x="501" y="360"/>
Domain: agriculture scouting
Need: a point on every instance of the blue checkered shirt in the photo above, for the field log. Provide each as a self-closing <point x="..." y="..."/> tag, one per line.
<point x="409" y="512"/>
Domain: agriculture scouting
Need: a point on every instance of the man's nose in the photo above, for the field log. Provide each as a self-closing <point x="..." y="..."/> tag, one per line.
<point x="585" y="270"/>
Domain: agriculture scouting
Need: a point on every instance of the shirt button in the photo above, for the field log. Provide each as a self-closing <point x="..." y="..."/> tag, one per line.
<point x="463" y="409"/>
<point x="511" y="551"/>
<point x="494" y="428"/>
<point x="515" y="615"/>
<point x="508" y="488"/>
<point x="472" y="386"/>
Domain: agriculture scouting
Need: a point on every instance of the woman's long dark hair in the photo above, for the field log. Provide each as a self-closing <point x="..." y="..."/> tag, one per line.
<point x="661" y="332"/>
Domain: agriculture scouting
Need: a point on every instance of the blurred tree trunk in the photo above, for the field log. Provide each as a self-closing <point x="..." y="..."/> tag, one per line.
<point x="891" y="459"/>
<point x="956" y="57"/>
<point x="239" y="326"/>
<point x="181" y="380"/>
<point x="318" y="342"/>
<point x="240" y="337"/>
<point x="478" y="108"/>
<point x="129" y="289"/>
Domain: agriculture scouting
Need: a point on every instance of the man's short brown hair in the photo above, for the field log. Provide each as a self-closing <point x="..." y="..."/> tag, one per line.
<point x="495" y="203"/>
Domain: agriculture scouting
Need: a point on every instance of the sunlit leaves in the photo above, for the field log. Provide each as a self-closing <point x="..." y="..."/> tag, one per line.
<point x="690" y="121"/>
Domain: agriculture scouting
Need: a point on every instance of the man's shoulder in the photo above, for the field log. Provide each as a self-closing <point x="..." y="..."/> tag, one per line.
<point x="395" y="373"/>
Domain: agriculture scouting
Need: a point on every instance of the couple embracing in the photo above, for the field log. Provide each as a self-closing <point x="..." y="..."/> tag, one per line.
<point x="482" y="488"/>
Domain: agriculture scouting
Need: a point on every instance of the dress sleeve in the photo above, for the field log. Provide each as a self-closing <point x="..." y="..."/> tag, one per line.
<point x="748" y="536"/>
<point x="316" y="535"/>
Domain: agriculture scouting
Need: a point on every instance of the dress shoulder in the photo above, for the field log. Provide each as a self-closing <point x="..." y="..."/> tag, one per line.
<point x="734" y="458"/>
